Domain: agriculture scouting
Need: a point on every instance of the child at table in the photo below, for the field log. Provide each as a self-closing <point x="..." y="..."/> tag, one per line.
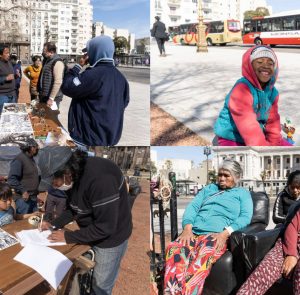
<point x="250" y="113"/>
<point x="6" y="210"/>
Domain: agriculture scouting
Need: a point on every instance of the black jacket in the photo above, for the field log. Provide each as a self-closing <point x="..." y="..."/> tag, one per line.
<point x="282" y="205"/>
<point x="100" y="205"/>
<point x="99" y="98"/>
<point x="158" y="30"/>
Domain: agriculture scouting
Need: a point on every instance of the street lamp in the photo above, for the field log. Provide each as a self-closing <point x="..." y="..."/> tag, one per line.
<point x="207" y="152"/>
<point x="67" y="38"/>
<point x="201" y="42"/>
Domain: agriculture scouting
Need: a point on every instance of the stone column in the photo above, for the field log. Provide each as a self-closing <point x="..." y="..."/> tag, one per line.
<point x="291" y="162"/>
<point x="281" y="166"/>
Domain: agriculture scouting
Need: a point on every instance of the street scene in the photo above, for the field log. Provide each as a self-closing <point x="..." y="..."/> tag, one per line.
<point x="193" y="89"/>
<point x="191" y="81"/>
<point x="183" y="175"/>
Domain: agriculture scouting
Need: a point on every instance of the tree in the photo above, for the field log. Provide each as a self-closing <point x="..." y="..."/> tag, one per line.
<point x="259" y="11"/>
<point x="169" y="164"/>
<point x="143" y="43"/>
<point x="121" y="44"/>
<point x="212" y="176"/>
<point x="153" y="169"/>
<point x="263" y="176"/>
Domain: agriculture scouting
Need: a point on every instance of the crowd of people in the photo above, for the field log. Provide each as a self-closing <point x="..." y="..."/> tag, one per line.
<point x="99" y="91"/>
<point x="91" y="190"/>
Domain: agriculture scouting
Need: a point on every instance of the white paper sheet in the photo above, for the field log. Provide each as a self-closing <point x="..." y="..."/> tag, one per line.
<point x="54" y="106"/>
<point x="34" y="236"/>
<point x="49" y="263"/>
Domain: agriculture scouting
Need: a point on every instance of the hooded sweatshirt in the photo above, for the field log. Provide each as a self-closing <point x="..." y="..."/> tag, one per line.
<point x="250" y="113"/>
<point x="99" y="95"/>
<point x="282" y="204"/>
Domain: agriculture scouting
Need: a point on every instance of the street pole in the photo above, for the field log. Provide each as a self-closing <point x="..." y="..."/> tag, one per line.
<point x="207" y="152"/>
<point x="201" y="42"/>
<point x="173" y="207"/>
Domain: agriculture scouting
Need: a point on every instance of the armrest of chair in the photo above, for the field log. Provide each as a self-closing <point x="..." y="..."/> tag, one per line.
<point x="237" y="237"/>
<point x="257" y="245"/>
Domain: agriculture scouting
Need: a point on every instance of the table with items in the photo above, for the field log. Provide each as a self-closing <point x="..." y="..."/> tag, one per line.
<point x="20" y="121"/>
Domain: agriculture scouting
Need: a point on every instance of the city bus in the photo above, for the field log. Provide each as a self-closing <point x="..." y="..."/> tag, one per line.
<point x="273" y="30"/>
<point x="217" y="32"/>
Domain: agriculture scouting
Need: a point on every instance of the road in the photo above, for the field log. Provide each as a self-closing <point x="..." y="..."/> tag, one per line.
<point x="192" y="86"/>
<point x="182" y="202"/>
<point x="139" y="75"/>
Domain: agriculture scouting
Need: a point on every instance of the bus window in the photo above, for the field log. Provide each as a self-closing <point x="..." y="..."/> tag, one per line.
<point x="289" y="24"/>
<point x="277" y="24"/>
<point x="265" y="25"/>
<point x="297" y="22"/>
<point x="220" y="27"/>
<point x="213" y="28"/>
<point x="247" y="26"/>
<point x="234" y="26"/>
<point x="259" y="26"/>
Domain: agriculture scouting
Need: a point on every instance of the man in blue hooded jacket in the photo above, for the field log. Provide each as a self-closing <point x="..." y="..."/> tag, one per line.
<point x="99" y="95"/>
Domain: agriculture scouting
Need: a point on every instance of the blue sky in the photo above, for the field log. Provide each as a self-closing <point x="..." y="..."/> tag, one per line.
<point x="280" y="5"/>
<point x="124" y="14"/>
<point x="194" y="153"/>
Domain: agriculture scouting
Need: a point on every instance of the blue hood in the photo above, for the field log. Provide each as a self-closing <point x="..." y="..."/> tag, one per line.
<point x="100" y="48"/>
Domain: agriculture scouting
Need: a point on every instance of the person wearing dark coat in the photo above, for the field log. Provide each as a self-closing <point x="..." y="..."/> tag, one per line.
<point x="289" y="196"/>
<point x="99" y="95"/>
<point x="159" y="32"/>
<point x="98" y="200"/>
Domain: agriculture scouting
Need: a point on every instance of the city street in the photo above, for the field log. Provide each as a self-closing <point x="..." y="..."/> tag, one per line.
<point x="192" y="86"/>
<point x="137" y="113"/>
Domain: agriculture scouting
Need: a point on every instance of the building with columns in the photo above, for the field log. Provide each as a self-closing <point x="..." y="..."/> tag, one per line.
<point x="270" y="165"/>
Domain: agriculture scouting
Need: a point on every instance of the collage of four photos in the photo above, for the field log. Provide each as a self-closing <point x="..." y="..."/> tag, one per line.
<point x="149" y="146"/>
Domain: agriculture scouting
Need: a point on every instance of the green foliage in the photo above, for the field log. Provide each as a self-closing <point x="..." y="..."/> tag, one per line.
<point x="121" y="44"/>
<point x="212" y="176"/>
<point x="153" y="169"/>
<point x="259" y="11"/>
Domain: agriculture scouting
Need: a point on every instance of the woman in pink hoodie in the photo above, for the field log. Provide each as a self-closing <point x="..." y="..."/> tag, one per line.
<point x="250" y="113"/>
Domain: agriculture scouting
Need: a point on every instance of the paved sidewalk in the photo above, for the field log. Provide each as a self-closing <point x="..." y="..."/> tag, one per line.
<point x="192" y="86"/>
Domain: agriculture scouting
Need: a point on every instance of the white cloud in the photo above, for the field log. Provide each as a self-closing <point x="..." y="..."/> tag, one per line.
<point x="112" y="5"/>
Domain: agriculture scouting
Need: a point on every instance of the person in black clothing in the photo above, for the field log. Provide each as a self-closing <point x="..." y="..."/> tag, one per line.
<point x="159" y="32"/>
<point x="286" y="198"/>
<point x="24" y="178"/>
<point x="99" y="202"/>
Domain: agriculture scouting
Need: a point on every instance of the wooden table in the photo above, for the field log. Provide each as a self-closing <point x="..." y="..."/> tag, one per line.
<point x="17" y="278"/>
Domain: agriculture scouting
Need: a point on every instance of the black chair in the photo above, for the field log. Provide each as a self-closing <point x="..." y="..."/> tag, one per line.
<point x="229" y="272"/>
<point x="256" y="246"/>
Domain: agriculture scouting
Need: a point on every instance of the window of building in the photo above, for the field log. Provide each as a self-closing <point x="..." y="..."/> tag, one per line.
<point x="297" y="160"/>
<point x="269" y="161"/>
<point x="278" y="160"/>
<point x="288" y="160"/>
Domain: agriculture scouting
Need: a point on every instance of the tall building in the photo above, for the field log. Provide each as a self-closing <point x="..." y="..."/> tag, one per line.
<point x="176" y="12"/>
<point x="270" y="165"/>
<point x="99" y="28"/>
<point x="68" y="23"/>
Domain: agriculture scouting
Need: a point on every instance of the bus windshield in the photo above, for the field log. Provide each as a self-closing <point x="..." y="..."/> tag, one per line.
<point x="234" y="26"/>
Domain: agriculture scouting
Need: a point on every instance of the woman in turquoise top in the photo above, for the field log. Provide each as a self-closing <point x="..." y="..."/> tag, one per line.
<point x="208" y="221"/>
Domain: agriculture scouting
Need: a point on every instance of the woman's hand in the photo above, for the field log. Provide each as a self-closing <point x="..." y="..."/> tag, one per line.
<point x="288" y="265"/>
<point x="57" y="236"/>
<point x="186" y="236"/>
<point x="221" y="239"/>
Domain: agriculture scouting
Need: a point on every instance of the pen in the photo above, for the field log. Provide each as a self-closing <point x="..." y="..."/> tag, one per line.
<point x="40" y="227"/>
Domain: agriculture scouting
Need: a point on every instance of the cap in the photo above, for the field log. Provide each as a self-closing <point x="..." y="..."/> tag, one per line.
<point x="262" y="51"/>
<point x="50" y="160"/>
<point x="30" y="142"/>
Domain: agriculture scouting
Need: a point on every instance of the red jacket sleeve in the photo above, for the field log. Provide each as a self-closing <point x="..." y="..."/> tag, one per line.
<point x="241" y="109"/>
<point x="290" y="240"/>
<point x="273" y="127"/>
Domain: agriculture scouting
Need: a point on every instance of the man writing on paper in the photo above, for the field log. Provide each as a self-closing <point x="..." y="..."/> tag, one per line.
<point x="98" y="200"/>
